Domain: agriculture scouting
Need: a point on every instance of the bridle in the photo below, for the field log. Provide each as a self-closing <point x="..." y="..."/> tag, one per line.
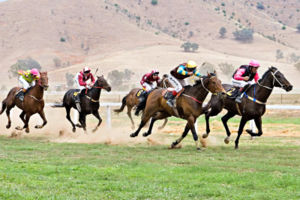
<point x="274" y="78"/>
<point x="202" y="80"/>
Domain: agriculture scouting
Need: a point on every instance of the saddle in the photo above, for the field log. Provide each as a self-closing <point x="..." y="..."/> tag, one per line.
<point x="139" y="92"/>
<point x="166" y="93"/>
<point x="233" y="92"/>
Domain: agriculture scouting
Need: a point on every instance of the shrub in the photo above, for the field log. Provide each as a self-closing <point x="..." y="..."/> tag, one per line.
<point x="62" y="39"/>
<point x="188" y="47"/>
<point x="117" y="78"/>
<point x="222" y="4"/>
<point x="298" y="28"/>
<point x="244" y="35"/>
<point x="222" y="32"/>
<point x="226" y="68"/>
<point x="70" y="79"/>
<point x="206" y="67"/>
<point x="25" y="64"/>
<point x="279" y="54"/>
<point x="186" y="23"/>
<point x="154" y="2"/>
<point x="283" y="27"/>
<point x="260" y="6"/>
<point x="57" y="62"/>
<point x="294" y="58"/>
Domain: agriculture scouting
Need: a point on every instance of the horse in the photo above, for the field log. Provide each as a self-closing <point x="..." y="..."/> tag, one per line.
<point x="89" y="102"/>
<point x="131" y="100"/>
<point x="253" y="104"/>
<point x="33" y="103"/>
<point x="188" y="106"/>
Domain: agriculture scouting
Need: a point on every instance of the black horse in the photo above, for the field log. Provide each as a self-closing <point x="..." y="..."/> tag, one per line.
<point x="253" y="104"/>
<point x="89" y="102"/>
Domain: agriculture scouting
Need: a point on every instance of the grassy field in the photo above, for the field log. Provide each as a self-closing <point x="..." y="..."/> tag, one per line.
<point x="266" y="168"/>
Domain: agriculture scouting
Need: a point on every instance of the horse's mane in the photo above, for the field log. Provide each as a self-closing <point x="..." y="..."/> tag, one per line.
<point x="265" y="74"/>
<point x="204" y="77"/>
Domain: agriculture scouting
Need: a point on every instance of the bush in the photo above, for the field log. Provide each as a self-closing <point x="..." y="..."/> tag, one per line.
<point x="154" y="2"/>
<point x="294" y="58"/>
<point x="188" y="47"/>
<point x="244" y="35"/>
<point x="279" y="54"/>
<point x="70" y="79"/>
<point x="260" y="6"/>
<point x="283" y="27"/>
<point x="297" y="65"/>
<point x="25" y="64"/>
<point x="206" y="67"/>
<point x="222" y="32"/>
<point x="226" y="68"/>
<point x="117" y="78"/>
<point x="57" y="62"/>
<point x="298" y="28"/>
<point x="62" y="39"/>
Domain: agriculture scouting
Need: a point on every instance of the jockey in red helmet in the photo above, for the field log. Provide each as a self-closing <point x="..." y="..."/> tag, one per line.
<point x="244" y="76"/>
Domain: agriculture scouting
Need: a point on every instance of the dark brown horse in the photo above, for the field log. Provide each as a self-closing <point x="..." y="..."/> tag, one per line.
<point x="131" y="100"/>
<point x="89" y="102"/>
<point x="253" y="105"/>
<point x="33" y="103"/>
<point x="188" y="104"/>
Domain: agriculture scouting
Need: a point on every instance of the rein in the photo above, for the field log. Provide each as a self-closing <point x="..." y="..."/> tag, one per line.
<point x="274" y="78"/>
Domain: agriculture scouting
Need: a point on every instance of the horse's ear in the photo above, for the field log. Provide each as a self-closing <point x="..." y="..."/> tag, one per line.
<point x="208" y="74"/>
<point x="215" y="72"/>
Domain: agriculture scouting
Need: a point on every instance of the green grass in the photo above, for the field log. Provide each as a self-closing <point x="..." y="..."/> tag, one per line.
<point x="267" y="168"/>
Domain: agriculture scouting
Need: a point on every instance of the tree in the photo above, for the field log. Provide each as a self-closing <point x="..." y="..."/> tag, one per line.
<point x="117" y="78"/>
<point x="298" y="28"/>
<point x="194" y="46"/>
<point x="70" y="79"/>
<point x="25" y="64"/>
<point x="187" y="46"/>
<point x="297" y="65"/>
<point x="154" y="2"/>
<point x="207" y="67"/>
<point x="244" y="35"/>
<point x="279" y="54"/>
<point x="226" y="68"/>
<point x="222" y="32"/>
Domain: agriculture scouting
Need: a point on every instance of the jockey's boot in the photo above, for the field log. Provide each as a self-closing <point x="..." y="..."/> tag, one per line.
<point x="20" y="94"/>
<point x="240" y="93"/>
<point x="142" y="103"/>
<point x="77" y="102"/>
<point x="171" y="99"/>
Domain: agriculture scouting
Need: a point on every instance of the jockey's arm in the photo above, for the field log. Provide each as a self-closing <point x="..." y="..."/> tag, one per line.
<point x="80" y="80"/>
<point x="256" y="77"/>
<point x="239" y="75"/>
<point x="181" y="70"/>
<point x="93" y="79"/>
<point x="196" y="73"/>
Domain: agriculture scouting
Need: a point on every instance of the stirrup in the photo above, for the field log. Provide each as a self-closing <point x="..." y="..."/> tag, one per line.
<point x="78" y="106"/>
<point x="238" y="100"/>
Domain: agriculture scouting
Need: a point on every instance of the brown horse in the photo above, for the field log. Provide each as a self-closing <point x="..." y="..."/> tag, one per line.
<point x="33" y="103"/>
<point x="188" y="104"/>
<point x="253" y="104"/>
<point x="131" y="100"/>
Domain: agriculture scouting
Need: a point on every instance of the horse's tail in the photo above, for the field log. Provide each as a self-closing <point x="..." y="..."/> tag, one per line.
<point x="122" y="106"/>
<point x="3" y="106"/>
<point x="57" y="105"/>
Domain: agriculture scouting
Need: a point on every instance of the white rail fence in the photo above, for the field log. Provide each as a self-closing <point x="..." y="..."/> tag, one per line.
<point x="109" y="105"/>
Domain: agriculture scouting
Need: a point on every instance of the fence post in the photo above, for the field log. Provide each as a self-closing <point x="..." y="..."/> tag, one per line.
<point x="108" y="118"/>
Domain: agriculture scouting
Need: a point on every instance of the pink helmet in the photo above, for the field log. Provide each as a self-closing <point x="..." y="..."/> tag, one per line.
<point x="154" y="71"/>
<point x="254" y="63"/>
<point x="34" y="71"/>
<point x="86" y="70"/>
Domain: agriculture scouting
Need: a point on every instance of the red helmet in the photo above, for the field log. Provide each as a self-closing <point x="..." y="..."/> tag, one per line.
<point x="155" y="71"/>
<point x="86" y="70"/>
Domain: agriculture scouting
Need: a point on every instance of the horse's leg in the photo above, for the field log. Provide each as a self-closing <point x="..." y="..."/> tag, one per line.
<point x="96" y="114"/>
<point x="42" y="115"/>
<point x="240" y="131"/>
<point x="225" y="118"/>
<point x="191" y="122"/>
<point x="164" y="124"/>
<point x="8" y="116"/>
<point x="26" y="121"/>
<point x="129" y="108"/>
<point x="68" y="116"/>
<point x="258" y="124"/>
<point x="158" y="116"/>
<point x="82" y="121"/>
<point x="145" y="118"/>
<point x="185" y="132"/>
<point x="22" y="115"/>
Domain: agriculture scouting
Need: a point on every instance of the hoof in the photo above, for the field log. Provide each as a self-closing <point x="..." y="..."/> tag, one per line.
<point x="133" y="135"/>
<point x="236" y="148"/>
<point x="146" y="134"/>
<point x="226" y="140"/>
<point x="74" y="130"/>
<point x="19" y="128"/>
<point x="8" y="126"/>
<point x="205" y="135"/>
<point x="249" y="131"/>
<point x="38" y="127"/>
<point x="198" y="149"/>
<point x="27" y="130"/>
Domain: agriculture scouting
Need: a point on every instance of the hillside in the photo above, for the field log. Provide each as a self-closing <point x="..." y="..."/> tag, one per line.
<point x="139" y="35"/>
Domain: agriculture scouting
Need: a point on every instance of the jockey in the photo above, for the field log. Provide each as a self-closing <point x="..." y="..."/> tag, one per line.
<point x="149" y="82"/>
<point x="84" y="80"/>
<point x="244" y="76"/>
<point x="27" y="79"/>
<point x="177" y="76"/>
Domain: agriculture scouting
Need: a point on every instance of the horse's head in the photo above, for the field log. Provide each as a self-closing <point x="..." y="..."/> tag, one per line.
<point x="213" y="84"/>
<point x="43" y="81"/>
<point x="279" y="79"/>
<point x="101" y="82"/>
